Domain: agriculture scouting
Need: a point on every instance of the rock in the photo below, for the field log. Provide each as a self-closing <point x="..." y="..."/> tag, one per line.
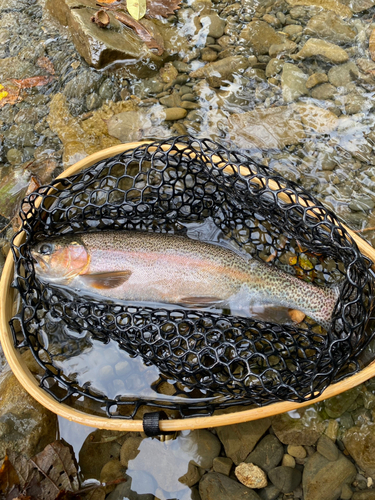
<point x="293" y="82"/>
<point x="340" y="76"/>
<point x="84" y="83"/>
<point x="333" y="425"/>
<point x="319" y="119"/>
<point x="208" y="55"/>
<point x="15" y="67"/>
<point x="93" y="101"/>
<point x="272" y="128"/>
<point x="362" y="495"/>
<point x="172" y="114"/>
<point x="21" y="135"/>
<point x="110" y="472"/>
<point x="297" y="451"/>
<point x="97" y="450"/>
<point x="371" y="45"/>
<point x="267" y="454"/>
<point x="220" y="70"/>
<point x="329" y="26"/>
<point x="304" y="430"/>
<point x="355" y="103"/>
<point x="324" y="91"/>
<point x="260" y="36"/>
<point x="285" y="479"/>
<point x="215" y="486"/>
<point x="222" y="465"/>
<point x="270" y="493"/>
<point x="123" y="490"/>
<point x="251" y="475"/>
<point x="326" y="50"/>
<point x="337" y="405"/>
<point x="274" y="67"/>
<point x="213" y="24"/>
<point x="14" y="156"/>
<point x="191" y="477"/>
<point x="325" y="479"/>
<point x="203" y="446"/>
<point x="130" y="449"/>
<point x="359" y="5"/>
<point x="168" y="73"/>
<point x="333" y="5"/>
<point x="293" y="29"/>
<point x="327" y="448"/>
<point x="360" y="443"/>
<point x="287" y="47"/>
<point x="346" y="492"/>
<point x="288" y="461"/>
<point x="26" y="427"/>
<point x="316" y="79"/>
<point x="131" y="126"/>
<point x="240" y="439"/>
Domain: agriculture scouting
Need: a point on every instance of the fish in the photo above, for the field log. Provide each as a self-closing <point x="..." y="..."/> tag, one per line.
<point x="173" y="269"/>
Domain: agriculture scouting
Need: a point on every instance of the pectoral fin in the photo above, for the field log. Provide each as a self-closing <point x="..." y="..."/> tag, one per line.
<point x="199" y="301"/>
<point x="104" y="281"/>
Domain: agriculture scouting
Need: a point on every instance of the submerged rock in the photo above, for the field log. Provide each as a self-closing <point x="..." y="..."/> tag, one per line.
<point x="293" y="82"/>
<point x="267" y="454"/>
<point x="326" y="50"/>
<point x="286" y="479"/>
<point x="223" y="69"/>
<point x="334" y="5"/>
<point x="323" y="478"/>
<point x="360" y="443"/>
<point x="272" y="128"/>
<point x="215" y="486"/>
<point x="318" y="119"/>
<point x="260" y="36"/>
<point x="304" y="429"/>
<point x="330" y="27"/>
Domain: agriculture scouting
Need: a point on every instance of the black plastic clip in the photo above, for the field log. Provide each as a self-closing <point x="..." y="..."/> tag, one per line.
<point x="151" y="423"/>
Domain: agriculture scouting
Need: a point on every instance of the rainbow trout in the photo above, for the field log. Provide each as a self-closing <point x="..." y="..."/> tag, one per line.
<point x="149" y="267"/>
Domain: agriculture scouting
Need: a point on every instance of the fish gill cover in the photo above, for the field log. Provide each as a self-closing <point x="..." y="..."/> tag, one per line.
<point x="163" y="187"/>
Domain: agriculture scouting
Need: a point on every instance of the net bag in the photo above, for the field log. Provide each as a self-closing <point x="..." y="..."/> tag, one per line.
<point x="164" y="187"/>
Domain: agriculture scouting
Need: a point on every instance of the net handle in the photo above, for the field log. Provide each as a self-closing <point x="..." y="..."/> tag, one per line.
<point x="31" y="385"/>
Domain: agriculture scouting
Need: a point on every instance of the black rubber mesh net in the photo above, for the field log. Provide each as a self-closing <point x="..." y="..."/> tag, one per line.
<point x="161" y="187"/>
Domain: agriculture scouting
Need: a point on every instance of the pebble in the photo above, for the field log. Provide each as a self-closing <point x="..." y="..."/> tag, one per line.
<point x="223" y="69"/>
<point x="360" y="205"/>
<point x="326" y="50"/>
<point x="347" y="492"/>
<point x="93" y="101"/>
<point x="360" y="442"/>
<point x="329" y="26"/>
<point x="304" y="430"/>
<point x="215" y="486"/>
<point x="251" y="475"/>
<point x="222" y="465"/>
<point x="288" y="461"/>
<point x="267" y="454"/>
<point x="297" y="451"/>
<point x="324" y="91"/>
<point x="277" y="49"/>
<point x="340" y="76"/>
<point x="14" y="156"/>
<point x="83" y="84"/>
<point x="293" y="82"/>
<point x="111" y="471"/>
<point x="362" y="495"/>
<point x="274" y="67"/>
<point x="269" y="493"/>
<point x="172" y="114"/>
<point x="333" y="425"/>
<point x="208" y="55"/>
<point x="285" y="479"/>
<point x="214" y="24"/>
<point x="260" y="36"/>
<point x="316" y="79"/>
<point x="326" y="447"/>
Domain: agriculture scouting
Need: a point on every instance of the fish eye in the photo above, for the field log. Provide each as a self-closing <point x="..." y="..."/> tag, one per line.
<point x="46" y="249"/>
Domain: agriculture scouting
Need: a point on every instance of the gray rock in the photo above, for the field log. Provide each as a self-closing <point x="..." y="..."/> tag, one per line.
<point x="324" y="91"/>
<point x="323" y="478"/>
<point x="215" y="486"/>
<point x="285" y="479"/>
<point x="204" y="445"/>
<point x="330" y="27"/>
<point x="359" y="5"/>
<point x="21" y="135"/>
<point x="172" y="114"/>
<point x="15" y="67"/>
<point x="340" y="76"/>
<point x="314" y="6"/>
<point x="123" y="490"/>
<point x="106" y="89"/>
<point x="267" y="454"/>
<point x="192" y="475"/>
<point x="316" y="79"/>
<point x="260" y="36"/>
<point x="287" y="47"/>
<point x="362" y="205"/>
<point x="14" y="156"/>
<point x="223" y="69"/>
<point x="240" y="439"/>
<point x="293" y="82"/>
<point x="223" y="465"/>
<point x="213" y="24"/>
<point x="326" y="50"/>
<point x="327" y="448"/>
<point x="305" y="430"/>
<point x="361" y="495"/>
<point x="269" y="493"/>
<point x="93" y="101"/>
<point x="337" y="405"/>
<point x="27" y="115"/>
<point x="347" y="492"/>
<point x="272" y="128"/>
<point x="84" y="83"/>
<point x="355" y="103"/>
<point x="274" y="67"/>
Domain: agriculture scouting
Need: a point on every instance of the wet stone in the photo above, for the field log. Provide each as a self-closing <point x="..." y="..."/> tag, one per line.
<point x="124" y="490"/>
<point x="360" y="205"/>
<point x="274" y="67"/>
<point x="208" y="55"/>
<point x="214" y="24"/>
<point x="223" y="465"/>
<point x="111" y="471"/>
<point x="267" y="454"/>
<point x="324" y="91"/>
<point x="323" y="478"/>
<point x="83" y="84"/>
<point x="251" y="475"/>
<point x="337" y="405"/>
<point x="340" y="76"/>
<point x="288" y="461"/>
<point x="285" y="479"/>
<point x="305" y="430"/>
<point x="269" y="493"/>
<point x="362" y="495"/>
<point x="21" y="135"/>
<point x="260" y="36"/>
<point x="287" y="47"/>
<point x="293" y="82"/>
<point x="240" y="439"/>
<point x="330" y="27"/>
<point x="326" y="447"/>
<point x="223" y="69"/>
<point x="333" y="5"/>
<point x="326" y="50"/>
<point x="346" y="492"/>
<point x="215" y="486"/>
<point x="93" y="101"/>
<point x="297" y="451"/>
<point x="14" y="156"/>
<point x="316" y="79"/>
<point x="355" y="104"/>
<point x="191" y="477"/>
<point x="172" y="114"/>
<point x="360" y="443"/>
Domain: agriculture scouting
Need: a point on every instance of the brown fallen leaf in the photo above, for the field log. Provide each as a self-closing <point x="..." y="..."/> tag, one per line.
<point x="9" y="95"/>
<point x="371" y="45"/>
<point x="141" y="31"/>
<point x="45" y="63"/>
<point x="9" y="480"/>
<point x="34" y="81"/>
<point x="162" y="8"/>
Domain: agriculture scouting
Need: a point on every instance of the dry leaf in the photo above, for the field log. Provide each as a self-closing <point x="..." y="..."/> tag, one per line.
<point x="162" y="8"/>
<point x="371" y="45"/>
<point x="9" y="480"/>
<point x="34" y="81"/>
<point x="9" y="95"/>
<point x="45" y="63"/>
<point x="136" y="8"/>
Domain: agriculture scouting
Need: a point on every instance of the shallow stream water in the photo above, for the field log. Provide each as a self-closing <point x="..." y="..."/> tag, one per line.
<point x="292" y="82"/>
